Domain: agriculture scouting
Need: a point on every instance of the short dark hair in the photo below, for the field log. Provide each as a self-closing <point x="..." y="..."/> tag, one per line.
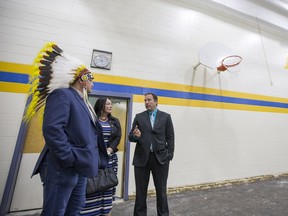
<point x="155" y="97"/>
<point x="100" y="106"/>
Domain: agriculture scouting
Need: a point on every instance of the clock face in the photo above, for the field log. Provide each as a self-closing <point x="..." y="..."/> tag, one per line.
<point x="101" y="61"/>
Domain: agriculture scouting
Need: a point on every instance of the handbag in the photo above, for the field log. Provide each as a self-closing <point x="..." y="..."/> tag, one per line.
<point x="105" y="179"/>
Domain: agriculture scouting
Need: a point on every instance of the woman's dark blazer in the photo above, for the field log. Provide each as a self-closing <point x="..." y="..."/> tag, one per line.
<point x="116" y="133"/>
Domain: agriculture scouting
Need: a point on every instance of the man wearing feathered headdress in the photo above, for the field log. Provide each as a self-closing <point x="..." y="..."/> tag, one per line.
<point x="74" y="147"/>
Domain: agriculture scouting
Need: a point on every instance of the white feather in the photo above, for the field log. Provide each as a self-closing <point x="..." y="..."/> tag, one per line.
<point x="64" y="69"/>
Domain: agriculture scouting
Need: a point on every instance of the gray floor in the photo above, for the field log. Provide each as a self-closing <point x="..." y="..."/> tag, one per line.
<point x="261" y="198"/>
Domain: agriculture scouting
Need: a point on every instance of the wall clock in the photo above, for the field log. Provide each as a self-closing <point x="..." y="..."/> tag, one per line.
<point x="101" y="59"/>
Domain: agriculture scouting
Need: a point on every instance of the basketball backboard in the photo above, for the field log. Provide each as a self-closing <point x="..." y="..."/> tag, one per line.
<point x="211" y="54"/>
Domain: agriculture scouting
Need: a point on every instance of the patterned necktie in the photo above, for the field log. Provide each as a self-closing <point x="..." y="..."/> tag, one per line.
<point x="151" y="116"/>
<point x="152" y="119"/>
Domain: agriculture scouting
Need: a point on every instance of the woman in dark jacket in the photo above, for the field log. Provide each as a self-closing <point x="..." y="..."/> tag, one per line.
<point x="101" y="203"/>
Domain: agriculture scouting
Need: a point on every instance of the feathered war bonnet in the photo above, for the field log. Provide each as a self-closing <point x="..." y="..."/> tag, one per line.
<point x="52" y="69"/>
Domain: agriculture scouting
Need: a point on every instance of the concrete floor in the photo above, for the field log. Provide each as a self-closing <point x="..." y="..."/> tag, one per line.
<point x="261" y="198"/>
<point x="267" y="197"/>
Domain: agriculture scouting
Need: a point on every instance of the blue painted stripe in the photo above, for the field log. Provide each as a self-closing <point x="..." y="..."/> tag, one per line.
<point x="186" y="95"/>
<point x="24" y="78"/>
<point x="14" y="77"/>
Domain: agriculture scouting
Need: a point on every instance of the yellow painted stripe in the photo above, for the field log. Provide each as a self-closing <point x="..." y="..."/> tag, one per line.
<point x="119" y="80"/>
<point x="15" y="68"/>
<point x="14" y="87"/>
<point x="211" y="104"/>
<point x="23" y="88"/>
<point x="184" y="88"/>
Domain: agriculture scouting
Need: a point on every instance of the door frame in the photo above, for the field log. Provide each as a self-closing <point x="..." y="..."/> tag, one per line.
<point x="129" y="98"/>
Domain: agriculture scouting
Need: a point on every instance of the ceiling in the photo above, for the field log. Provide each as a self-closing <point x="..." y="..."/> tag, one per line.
<point x="274" y="12"/>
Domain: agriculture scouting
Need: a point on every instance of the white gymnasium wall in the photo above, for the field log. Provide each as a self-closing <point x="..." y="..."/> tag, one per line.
<point x="159" y="40"/>
<point x="11" y="111"/>
<point x="215" y="145"/>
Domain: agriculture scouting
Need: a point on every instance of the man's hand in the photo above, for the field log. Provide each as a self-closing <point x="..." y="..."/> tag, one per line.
<point x="136" y="132"/>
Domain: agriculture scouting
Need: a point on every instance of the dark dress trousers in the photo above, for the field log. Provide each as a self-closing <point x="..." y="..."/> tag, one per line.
<point x="161" y="136"/>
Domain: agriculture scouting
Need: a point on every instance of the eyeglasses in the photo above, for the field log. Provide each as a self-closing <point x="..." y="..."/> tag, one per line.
<point x="87" y="77"/>
<point x="90" y="77"/>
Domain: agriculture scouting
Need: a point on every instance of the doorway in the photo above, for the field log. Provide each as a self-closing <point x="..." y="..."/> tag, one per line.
<point x="120" y="111"/>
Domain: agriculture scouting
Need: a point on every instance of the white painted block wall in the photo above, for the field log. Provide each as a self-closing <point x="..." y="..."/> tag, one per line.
<point x="159" y="40"/>
<point x="11" y="111"/>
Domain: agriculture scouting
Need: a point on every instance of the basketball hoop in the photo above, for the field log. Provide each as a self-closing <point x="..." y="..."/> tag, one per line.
<point x="229" y="62"/>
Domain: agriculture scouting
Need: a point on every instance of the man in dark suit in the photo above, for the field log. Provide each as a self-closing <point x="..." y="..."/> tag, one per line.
<point x="153" y="132"/>
<point x="74" y="148"/>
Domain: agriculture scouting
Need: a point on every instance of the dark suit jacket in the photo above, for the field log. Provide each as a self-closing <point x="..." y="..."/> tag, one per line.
<point x="162" y="137"/>
<point x="71" y="136"/>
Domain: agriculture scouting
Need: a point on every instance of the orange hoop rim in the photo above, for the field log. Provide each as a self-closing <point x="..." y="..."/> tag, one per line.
<point x="231" y="65"/>
<point x="224" y="66"/>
